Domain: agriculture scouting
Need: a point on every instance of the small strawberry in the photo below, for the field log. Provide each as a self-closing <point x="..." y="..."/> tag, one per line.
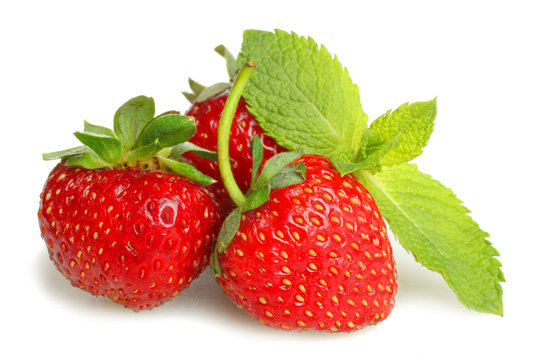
<point x="122" y="216"/>
<point x="306" y="248"/>
<point x="208" y="103"/>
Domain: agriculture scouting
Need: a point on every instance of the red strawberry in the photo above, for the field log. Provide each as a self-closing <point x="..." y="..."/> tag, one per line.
<point x="316" y="256"/>
<point x="118" y="219"/>
<point x="207" y="114"/>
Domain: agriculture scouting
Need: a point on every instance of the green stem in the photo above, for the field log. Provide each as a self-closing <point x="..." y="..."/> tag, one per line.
<point x="224" y="131"/>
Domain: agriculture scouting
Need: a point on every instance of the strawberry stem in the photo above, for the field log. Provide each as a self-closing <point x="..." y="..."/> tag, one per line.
<point x="224" y="131"/>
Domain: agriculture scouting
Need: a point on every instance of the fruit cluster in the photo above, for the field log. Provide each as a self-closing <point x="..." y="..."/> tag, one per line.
<point x="293" y="237"/>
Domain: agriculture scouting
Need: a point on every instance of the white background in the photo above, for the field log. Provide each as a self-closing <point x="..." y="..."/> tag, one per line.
<point x="64" y="62"/>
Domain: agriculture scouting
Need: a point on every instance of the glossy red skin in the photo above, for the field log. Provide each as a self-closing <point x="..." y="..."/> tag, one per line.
<point x="244" y="128"/>
<point x="276" y="277"/>
<point x="136" y="236"/>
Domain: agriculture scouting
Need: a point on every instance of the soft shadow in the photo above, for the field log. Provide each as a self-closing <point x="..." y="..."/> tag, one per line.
<point x="416" y="284"/>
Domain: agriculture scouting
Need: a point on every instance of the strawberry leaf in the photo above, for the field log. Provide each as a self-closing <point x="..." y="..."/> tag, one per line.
<point x="301" y="95"/>
<point x="228" y="230"/>
<point x="55" y="155"/>
<point x="257" y="198"/>
<point x="274" y="166"/>
<point x="187" y="170"/>
<point x="232" y="67"/>
<point x="169" y="129"/>
<point x="144" y="152"/>
<point x="96" y="129"/>
<point x="131" y="118"/>
<point x="109" y="149"/>
<point x="87" y="160"/>
<point x="178" y="150"/>
<point x="431" y="223"/>
<point x="257" y="153"/>
<point x="288" y="176"/>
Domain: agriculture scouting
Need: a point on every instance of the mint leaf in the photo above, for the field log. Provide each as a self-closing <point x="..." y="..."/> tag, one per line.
<point x="131" y="118"/>
<point x="410" y="125"/>
<point x="431" y="223"/>
<point x="301" y="95"/>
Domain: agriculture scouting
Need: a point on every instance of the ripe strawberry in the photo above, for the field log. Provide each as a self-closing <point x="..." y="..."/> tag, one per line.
<point x="208" y="103"/>
<point x="316" y="256"/>
<point x="117" y="220"/>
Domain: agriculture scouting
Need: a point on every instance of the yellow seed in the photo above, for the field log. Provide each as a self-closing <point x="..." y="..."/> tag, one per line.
<point x="333" y="270"/>
<point x="335" y="299"/>
<point x="333" y="254"/>
<point x="261" y="236"/>
<point x="299" y="298"/>
<point x="295" y="235"/>
<point x="308" y="313"/>
<point x="301" y="323"/>
<point x="367" y="254"/>
<point x="327" y="196"/>
<point x="354" y="246"/>
<point x="312" y="252"/>
<point x="329" y="314"/>
<point x="312" y="266"/>
<point x="110" y="208"/>
<point x="336" y="237"/>
<point x="323" y="282"/>
<point x="243" y="236"/>
<point x="262" y="300"/>
<point x="349" y="226"/>
<point x="296" y="201"/>
<point x="350" y="324"/>
<point x="286" y="270"/>
<point x="364" y="302"/>
<point x="369" y="288"/>
<point x="318" y="207"/>
<point x="302" y="288"/>
<point x="308" y="190"/>
<point x="284" y="254"/>
<point x="376" y="303"/>
<point x="315" y="221"/>
<point x="347" y="273"/>
<point x="355" y="201"/>
<point x="334" y="219"/>
<point x="299" y="220"/>
<point x="269" y="314"/>
<point x="350" y="302"/>
<point x="239" y="252"/>
<point x="279" y="234"/>
<point x="320" y="237"/>
<point x="275" y="213"/>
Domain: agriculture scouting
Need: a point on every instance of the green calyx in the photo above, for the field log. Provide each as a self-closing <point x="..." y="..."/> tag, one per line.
<point x="200" y="93"/>
<point x="139" y="139"/>
<point x="276" y="173"/>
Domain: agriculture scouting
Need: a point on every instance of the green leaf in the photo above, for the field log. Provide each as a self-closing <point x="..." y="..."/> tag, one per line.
<point x="144" y="152"/>
<point x="87" y="160"/>
<point x="431" y="223"/>
<point x="228" y="230"/>
<point x="257" y="152"/>
<point x="301" y="95"/>
<point x="257" y="198"/>
<point x="131" y="118"/>
<point x="411" y="125"/>
<point x="96" y="129"/>
<point x="109" y="149"/>
<point x="274" y="165"/>
<point x="178" y="150"/>
<point x="232" y="67"/>
<point x="188" y="171"/>
<point x="195" y="86"/>
<point x="290" y="175"/>
<point x="169" y="129"/>
<point x="79" y="150"/>
<point x="371" y="162"/>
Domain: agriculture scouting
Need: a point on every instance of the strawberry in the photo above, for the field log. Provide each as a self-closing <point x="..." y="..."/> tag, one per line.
<point x="123" y="217"/>
<point x="206" y="109"/>
<point x="306" y="248"/>
<point x="316" y="256"/>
